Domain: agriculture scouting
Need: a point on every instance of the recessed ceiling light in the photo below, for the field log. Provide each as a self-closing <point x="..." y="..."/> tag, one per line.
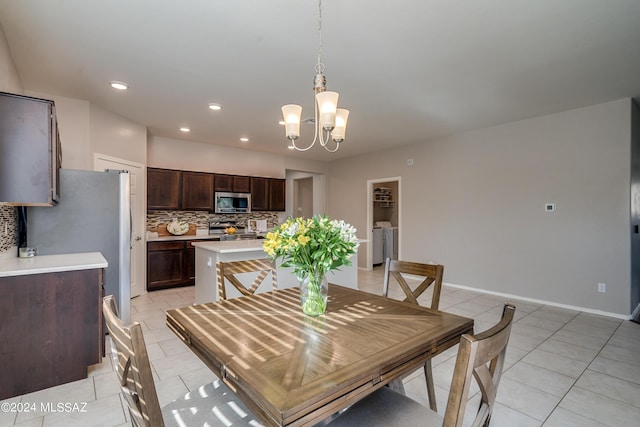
<point x="281" y="123"/>
<point x="119" y="85"/>
<point x="215" y="107"/>
<point x="185" y="130"/>
<point x="244" y="139"/>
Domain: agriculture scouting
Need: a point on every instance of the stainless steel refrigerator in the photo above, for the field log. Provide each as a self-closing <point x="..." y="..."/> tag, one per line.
<point x="92" y="215"/>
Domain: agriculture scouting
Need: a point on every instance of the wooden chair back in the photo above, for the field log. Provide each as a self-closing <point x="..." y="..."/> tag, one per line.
<point x="432" y="274"/>
<point x="131" y="363"/>
<point x="481" y="357"/>
<point x="227" y="271"/>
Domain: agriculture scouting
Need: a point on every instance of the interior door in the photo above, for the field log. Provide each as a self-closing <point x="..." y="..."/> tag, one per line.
<point x="138" y="217"/>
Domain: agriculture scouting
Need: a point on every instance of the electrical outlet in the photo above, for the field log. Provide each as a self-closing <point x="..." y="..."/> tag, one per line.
<point x="602" y="287"/>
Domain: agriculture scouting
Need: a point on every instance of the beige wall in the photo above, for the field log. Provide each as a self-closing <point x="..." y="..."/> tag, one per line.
<point x="86" y="129"/>
<point x="73" y="125"/>
<point x="195" y="156"/>
<point x="117" y="136"/>
<point x="187" y="155"/>
<point x="9" y="78"/>
<point x="475" y="203"/>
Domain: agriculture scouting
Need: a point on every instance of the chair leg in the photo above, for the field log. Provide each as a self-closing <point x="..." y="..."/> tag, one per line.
<point x="431" y="392"/>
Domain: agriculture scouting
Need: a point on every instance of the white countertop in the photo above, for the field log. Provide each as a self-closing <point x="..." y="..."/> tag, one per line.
<point x="14" y="266"/>
<point x="231" y="246"/>
<point x="152" y="238"/>
<point x="183" y="237"/>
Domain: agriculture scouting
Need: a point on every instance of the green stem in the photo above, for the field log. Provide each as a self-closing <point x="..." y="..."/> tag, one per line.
<point x="316" y="303"/>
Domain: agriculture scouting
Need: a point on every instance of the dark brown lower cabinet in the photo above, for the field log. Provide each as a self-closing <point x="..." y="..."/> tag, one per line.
<point x="171" y="264"/>
<point x="165" y="264"/>
<point x="50" y="329"/>
<point x="190" y="258"/>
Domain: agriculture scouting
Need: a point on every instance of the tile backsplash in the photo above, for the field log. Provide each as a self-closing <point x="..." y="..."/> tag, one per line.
<point x="8" y="216"/>
<point x="202" y="219"/>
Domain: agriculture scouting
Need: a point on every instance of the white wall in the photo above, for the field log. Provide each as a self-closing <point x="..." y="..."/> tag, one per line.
<point x="475" y="203"/>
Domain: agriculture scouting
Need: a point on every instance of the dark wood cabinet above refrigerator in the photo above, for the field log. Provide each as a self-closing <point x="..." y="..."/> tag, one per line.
<point x="30" y="152"/>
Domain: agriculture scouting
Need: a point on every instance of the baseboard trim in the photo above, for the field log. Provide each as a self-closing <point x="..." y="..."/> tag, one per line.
<point x="544" y="302"/>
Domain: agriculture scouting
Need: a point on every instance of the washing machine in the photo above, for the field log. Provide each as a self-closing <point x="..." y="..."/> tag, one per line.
<point x="389" y="240"/>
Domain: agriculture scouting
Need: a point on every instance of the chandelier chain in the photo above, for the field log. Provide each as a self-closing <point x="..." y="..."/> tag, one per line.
<point x="320" y="65"/>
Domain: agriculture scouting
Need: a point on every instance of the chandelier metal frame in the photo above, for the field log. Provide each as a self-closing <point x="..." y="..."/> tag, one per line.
<point x="330" y="122"/>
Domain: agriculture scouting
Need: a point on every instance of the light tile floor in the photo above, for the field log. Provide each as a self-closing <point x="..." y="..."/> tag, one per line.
<point x="564" y="368"/>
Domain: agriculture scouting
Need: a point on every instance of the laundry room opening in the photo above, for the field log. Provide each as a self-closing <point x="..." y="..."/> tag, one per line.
<point x="384" y="220"/>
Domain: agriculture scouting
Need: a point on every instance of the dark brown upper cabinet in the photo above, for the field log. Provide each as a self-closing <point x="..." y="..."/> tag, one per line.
<point x="241" y="184"/>
<point x="197" y="191"/>
<point x="169" y="189"/>
<point x="267" y="194"/>
<point x="277" y="194"/>
<point x="232" y="183"/>
<point x="164" y="189"/>
<point x="30" y="153"/>
<point x="259" y="194"/>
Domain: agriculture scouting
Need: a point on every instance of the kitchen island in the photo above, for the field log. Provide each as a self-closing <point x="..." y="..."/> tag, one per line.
<point x="209" y="253"/>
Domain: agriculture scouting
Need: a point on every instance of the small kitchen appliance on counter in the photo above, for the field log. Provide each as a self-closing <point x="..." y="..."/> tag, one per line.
<point x="26" y="252"/>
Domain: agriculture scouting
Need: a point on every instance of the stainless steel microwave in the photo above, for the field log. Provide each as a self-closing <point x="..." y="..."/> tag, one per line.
<point x="232" y="202"/>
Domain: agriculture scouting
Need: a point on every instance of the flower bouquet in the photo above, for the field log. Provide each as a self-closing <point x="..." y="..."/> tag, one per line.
<point x="312" y="247"/>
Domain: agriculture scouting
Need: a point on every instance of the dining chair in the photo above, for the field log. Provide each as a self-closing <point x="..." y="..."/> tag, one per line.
<point x="228" y="271"/>
<point x="432" y="275"/>
<point x="213" y="404"/>
<point x="480" y="356"/>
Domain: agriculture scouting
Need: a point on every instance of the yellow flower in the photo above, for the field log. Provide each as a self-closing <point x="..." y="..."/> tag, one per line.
<point x="303" y="240"/>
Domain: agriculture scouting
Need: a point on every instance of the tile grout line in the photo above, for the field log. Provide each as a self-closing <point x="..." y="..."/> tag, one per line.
<point x="580" y="376"/>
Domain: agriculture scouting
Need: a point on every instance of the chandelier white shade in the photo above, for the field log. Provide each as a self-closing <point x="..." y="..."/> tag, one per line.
<point x="330" y="122"/>
<point x="292" y="113"/>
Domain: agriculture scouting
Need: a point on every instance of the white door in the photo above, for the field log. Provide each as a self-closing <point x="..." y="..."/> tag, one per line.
<point x="138" y="218"/>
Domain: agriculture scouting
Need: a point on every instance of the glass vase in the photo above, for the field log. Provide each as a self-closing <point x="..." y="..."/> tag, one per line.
<point x="314" y="289"/>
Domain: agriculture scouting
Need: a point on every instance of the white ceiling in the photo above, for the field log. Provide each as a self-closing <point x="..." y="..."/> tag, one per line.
<point x="409" y="70"/>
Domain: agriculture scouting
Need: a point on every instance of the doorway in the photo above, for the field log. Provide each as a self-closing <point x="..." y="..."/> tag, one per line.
<point x="635" y="210"/>
<point x="303" y="197"/>
<point x="305" y="193"/>
<point x="384" y="199"/>
<point x="138" y="218"/>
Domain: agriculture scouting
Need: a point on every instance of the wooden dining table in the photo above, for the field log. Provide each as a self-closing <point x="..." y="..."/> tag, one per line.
<point x="291" y="369"/>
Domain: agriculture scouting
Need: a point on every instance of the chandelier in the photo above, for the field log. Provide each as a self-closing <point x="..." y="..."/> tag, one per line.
<point x="329" y="121"/>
